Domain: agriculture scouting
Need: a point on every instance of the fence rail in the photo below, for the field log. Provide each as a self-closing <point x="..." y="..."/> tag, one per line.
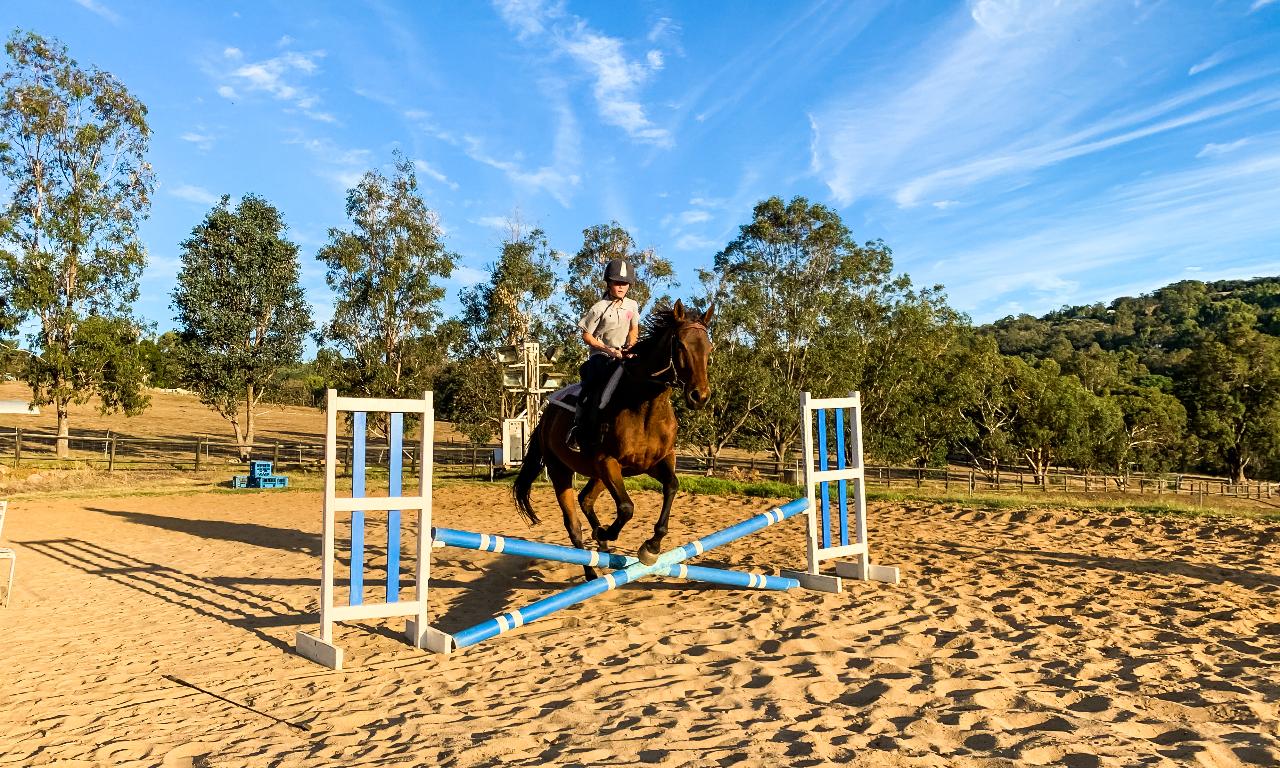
<point x="113" y="451"/>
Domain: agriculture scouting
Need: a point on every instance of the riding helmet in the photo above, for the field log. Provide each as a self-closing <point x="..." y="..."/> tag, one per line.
<point x="619" y="271"/>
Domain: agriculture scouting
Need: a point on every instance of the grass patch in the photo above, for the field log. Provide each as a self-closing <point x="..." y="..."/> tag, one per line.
<point x="1115" y="504"/>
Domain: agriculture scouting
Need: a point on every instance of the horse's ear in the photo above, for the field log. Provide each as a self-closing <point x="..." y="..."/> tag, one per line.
<point x="706" y="316"/>
<point x="677" y="311"/>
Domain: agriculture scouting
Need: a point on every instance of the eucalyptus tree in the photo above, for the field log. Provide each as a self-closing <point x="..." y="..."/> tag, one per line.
<point x="73" y="144"/>
<point x="601" y="244"/>
<point x="384" y="273"/>
<point x="797" y="289"/>
<point x="517" y="304"/>
<point x="240" y="309"/>
<point x="1230" y="386"/>
<point x="913" y="383"/>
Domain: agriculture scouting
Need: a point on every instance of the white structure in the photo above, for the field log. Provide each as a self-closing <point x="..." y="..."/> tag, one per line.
<point x="321" y="648"/>
<point x="819" y="477"/>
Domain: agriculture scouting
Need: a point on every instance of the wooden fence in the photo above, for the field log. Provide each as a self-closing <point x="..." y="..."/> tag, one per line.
<point x="201" y="452"/>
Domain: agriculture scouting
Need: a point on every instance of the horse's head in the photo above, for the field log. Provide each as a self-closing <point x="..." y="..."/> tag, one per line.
<point x="690" y="351"/>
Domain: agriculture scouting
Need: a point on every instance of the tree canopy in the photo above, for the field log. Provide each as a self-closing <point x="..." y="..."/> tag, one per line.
<point x="240" y="309"/>
<point x="73" y="144"/>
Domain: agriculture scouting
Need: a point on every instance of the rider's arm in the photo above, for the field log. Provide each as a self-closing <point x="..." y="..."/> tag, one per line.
<point x="596" y="344"/>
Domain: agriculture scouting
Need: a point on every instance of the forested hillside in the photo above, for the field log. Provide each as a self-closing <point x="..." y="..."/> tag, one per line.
<point x="1212" y="347"/>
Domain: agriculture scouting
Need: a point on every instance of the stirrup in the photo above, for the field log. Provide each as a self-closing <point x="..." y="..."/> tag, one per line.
<point x="571" y="440"/>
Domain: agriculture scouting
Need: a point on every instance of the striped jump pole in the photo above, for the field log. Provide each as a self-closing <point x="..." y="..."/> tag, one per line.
<point x="508" y="621"/>
<point x="506" y="545"/>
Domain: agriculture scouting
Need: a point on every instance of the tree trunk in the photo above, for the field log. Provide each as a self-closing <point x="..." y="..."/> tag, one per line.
<point x="247" y="446"/>
<point x="244" y="452"/>
<point x="64" y="431"/>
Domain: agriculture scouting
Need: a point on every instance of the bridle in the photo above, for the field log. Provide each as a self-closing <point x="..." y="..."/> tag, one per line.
<point x="657" y="376"/>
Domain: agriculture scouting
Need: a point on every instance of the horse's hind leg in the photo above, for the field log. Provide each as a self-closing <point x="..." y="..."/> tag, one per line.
<point x="562" y="480"/>
<point x="665" y="473"/>
<point x="611" y="477"/>
<point x="587" y="502"/>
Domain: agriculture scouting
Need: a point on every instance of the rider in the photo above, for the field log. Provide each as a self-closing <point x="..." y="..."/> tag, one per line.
<point x="609" y="329"/>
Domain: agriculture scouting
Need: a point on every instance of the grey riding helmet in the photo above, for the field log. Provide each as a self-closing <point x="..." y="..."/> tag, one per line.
<point x="619" y="271"/>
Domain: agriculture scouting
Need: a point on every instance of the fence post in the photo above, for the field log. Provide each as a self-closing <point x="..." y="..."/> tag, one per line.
<point x="198" y="454"/>
<point x="17" y="446"/>
<point x="997" y="477"/>
<point x="946" y="478"/>
<point x="919" y="476"/>
<point x="889" y="474"/>
<point x="1021" y="483"/>
<point x="275" y="456"/>
<point x="111" y="457"/>
<point x="971" y="481"/>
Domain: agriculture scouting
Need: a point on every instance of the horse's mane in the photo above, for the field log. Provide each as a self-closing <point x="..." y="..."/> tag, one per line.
<point x="660" y="322"/>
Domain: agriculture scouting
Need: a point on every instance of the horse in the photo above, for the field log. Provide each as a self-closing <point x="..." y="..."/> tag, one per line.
<point x="638" y="433"/>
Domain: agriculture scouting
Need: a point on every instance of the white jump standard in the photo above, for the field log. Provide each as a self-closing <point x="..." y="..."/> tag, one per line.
<point x="321" y="649"/>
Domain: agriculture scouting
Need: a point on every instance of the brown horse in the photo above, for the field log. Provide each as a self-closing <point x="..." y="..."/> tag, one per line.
<point x="638" y="433"/>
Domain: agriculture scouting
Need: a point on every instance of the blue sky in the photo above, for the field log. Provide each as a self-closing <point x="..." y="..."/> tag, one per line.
<point x="1025" y="155"/>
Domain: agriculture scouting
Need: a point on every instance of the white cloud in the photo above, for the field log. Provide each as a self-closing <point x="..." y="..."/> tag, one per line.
<point x="342" y="166"/>
<point x="616" y="78"/>
<point x="697" y="243"/>
<point x="492" y="222"/>
<point x="193" y="194"/>
<point x="1147" y="230"/>
<point x="280" y="77"/>
<point x="1259" y="5"/>
<point x="1000" y="93"/>
<point x="527" y="16"/>
<point x="1211" y="150"/>
<point x="96" y="7"/>
<point x="558" y="179"/>
<point x="943" y="205"/>
<point x="203" y="141"/>
<point x="423" y="167"/>
<point x="469" y="276"/>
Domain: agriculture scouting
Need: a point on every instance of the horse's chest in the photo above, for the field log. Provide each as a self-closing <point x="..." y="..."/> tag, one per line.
<point x="643" y="437"/>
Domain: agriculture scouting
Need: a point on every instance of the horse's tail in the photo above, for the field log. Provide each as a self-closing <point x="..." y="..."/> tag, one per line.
<point x="530" y="468"/>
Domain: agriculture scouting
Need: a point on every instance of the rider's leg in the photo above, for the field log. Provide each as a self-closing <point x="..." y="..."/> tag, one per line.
<point x="584" y="415"/>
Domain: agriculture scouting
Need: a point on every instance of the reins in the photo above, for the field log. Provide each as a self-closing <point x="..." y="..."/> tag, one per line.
<point x="656" y="376"/>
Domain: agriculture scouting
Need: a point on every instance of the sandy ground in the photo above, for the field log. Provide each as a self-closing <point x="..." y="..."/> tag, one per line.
<point x="157" y="631"/>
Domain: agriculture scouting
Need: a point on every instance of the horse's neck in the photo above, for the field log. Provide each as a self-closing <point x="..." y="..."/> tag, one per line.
<point x="645" y="379"/>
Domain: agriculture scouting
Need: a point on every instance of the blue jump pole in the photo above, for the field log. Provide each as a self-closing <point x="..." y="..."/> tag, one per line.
<point x="574" y="595"/>
<point x="505" y="545"/>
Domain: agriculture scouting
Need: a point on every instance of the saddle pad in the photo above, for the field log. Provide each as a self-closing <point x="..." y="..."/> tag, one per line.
<point x="566" y="398"/>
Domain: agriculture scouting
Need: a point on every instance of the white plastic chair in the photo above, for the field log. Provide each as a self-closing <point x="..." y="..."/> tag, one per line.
<point x="7" y="554"/>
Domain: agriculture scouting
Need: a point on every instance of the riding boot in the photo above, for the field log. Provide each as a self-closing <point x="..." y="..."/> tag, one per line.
<point x="574" y="440"/>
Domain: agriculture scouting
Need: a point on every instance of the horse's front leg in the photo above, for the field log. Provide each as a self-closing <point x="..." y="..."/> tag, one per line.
<point x="665" y="473"/>
<point x="609" y="472"/>
<point x="587" y="502"/>
<point x="562" y="480"/>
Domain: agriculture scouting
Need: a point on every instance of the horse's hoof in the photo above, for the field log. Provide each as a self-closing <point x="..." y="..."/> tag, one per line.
<point x="589" y="572"/>
<point x="647" y="555"/>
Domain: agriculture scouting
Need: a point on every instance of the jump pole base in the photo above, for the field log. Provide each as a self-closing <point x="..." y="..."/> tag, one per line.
<point x="321" y="652"/>
<point x="432" y="640"/>
<point x="885" y="573"/>
<point x="814" y="582"/>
